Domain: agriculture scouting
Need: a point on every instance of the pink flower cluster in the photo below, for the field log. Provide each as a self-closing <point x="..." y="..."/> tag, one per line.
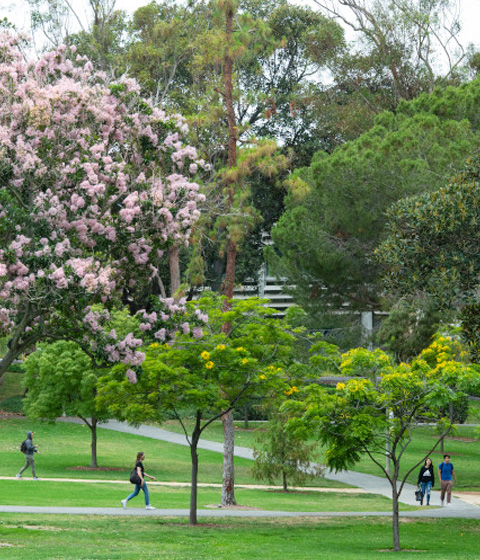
<point x="99" y="185"/>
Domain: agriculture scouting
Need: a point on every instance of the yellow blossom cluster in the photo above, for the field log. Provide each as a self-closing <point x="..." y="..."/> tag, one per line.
<point x="205" y="355"/>
<point x="209" y="365"/>
<point x="291" y="390"/>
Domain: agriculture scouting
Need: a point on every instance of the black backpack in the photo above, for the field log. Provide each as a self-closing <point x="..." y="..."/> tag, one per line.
<point x="134" y="478"/>
<point x="23" y="446"/>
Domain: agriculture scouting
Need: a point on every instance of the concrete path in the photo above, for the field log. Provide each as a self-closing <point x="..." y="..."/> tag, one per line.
<point x="369" y="483"/>
<point x="438" y="513"/>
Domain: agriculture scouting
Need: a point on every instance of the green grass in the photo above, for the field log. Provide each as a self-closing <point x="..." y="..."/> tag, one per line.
<point x="465" y="456"/>
<point x="104" y="538"/>
<point x="66" y="446"/>
<point x="78" y="494"/>
<point x="214" y="432"/>
<point x="473" y="412"/>
<point x="11" y="385"/>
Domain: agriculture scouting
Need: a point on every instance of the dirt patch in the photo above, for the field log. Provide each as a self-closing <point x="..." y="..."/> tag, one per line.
<point x="34" y="527"/>
<point x="6" y="545"/>
<point x="234" y="508"/>
<point x="106" y="469"/>
<point x="456" y="438"/>
<point x="470" y="497"/>
<point x="4" y="414"/>
<point x="206" y="525"/>
<point x="441" y="453"/>
<point x="402" y="550"/>
<point x="249" y="430"/>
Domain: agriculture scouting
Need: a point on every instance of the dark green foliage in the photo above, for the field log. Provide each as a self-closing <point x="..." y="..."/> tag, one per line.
<point x="470" y="325"/>
<point x="12" y="404"/>
<point x="17" y="367"/>
<point x="282" y="454"/>
<point x="458" y="411"/>
<point x="432" y="241"/>
<point x="409" y="327"/>
<point x="336" y="210"/>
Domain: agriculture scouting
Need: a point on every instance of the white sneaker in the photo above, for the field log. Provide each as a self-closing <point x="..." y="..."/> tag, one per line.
<point x="19" y="476"/>
<point x="35" y="478"/>
<point x="443" y="503"/>
<point x="449" y="504"/>
<point x="124" y="503"/>
<point x="149" y="507"/>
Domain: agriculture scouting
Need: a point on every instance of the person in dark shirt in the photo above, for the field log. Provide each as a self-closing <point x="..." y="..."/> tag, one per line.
<point x="142" y="485"/>
<point x="426" y="480"/>
<point x="29" y="456"/>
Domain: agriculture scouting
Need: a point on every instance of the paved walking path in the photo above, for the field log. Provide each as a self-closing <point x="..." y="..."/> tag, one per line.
<point x="451" y="512"/>
<point x="369" y="483"/>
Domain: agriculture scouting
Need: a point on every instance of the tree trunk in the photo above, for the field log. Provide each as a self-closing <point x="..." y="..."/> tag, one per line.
<point x="6" y="362"/>
<point x="93" y="428"/>
<point x="228" y="485"/>
<point x="284" y="480"/>
<point x="194" y="456"/>
<point x="228" y="489"/>
<point x="17" y="347"/>
<point x="245" y="415"/>
<point x="174" y="264"/>
<point x="395" y="515"/>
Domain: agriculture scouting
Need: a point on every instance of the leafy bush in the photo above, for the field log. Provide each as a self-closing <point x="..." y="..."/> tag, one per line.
<point x="12" y="404"/>
<point x="17" y="367"/>
<point x="459" y="412"/>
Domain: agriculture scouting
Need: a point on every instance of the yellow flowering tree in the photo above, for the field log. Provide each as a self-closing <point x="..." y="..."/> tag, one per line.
<point x="206" y="376"/>
<point x="389" y="404"/>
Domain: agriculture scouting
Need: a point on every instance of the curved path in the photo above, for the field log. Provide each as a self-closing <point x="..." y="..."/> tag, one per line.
<point x="369" y="483"/>
<point x="119" y="511"/>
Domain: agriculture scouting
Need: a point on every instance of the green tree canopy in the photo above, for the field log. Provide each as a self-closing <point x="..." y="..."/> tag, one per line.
<point x="205" y="377"/>
<point x="60" y="380"/>
<point x="432" y="241"/>
<point x="335" y="215"/>
<point x="363" y="414"/>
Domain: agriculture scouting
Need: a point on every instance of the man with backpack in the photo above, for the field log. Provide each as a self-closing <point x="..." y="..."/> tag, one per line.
<point x="29" y="449"/>
<point x="447" y="475"/>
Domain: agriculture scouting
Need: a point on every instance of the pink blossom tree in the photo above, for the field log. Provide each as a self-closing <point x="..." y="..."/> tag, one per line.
<point x="96" y="185"/>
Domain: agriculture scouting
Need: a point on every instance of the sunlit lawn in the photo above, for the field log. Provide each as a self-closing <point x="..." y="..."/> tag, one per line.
<point x="465" y="453"/>
<point x="105" y="538"/>
<point x="78" y="494"/>
<point x="66" y="447"/>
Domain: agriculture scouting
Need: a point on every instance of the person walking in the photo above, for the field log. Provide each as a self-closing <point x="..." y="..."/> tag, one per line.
<point x="426" y="480"/>
<point x="141" y="485"/>
<point x="30" y="449"/>
<point x="446" y="474"/>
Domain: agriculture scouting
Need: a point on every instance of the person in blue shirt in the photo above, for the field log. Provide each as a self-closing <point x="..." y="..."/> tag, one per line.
<point x="446" y="474"/>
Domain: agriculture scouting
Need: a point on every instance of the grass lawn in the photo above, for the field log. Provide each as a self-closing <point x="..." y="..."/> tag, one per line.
<point x="104" y="538"/>
<point x="78" y="494"/>
<point x="64" y="447"/>
<point x="11" y="385"/>
<point x="464" y="448"/>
